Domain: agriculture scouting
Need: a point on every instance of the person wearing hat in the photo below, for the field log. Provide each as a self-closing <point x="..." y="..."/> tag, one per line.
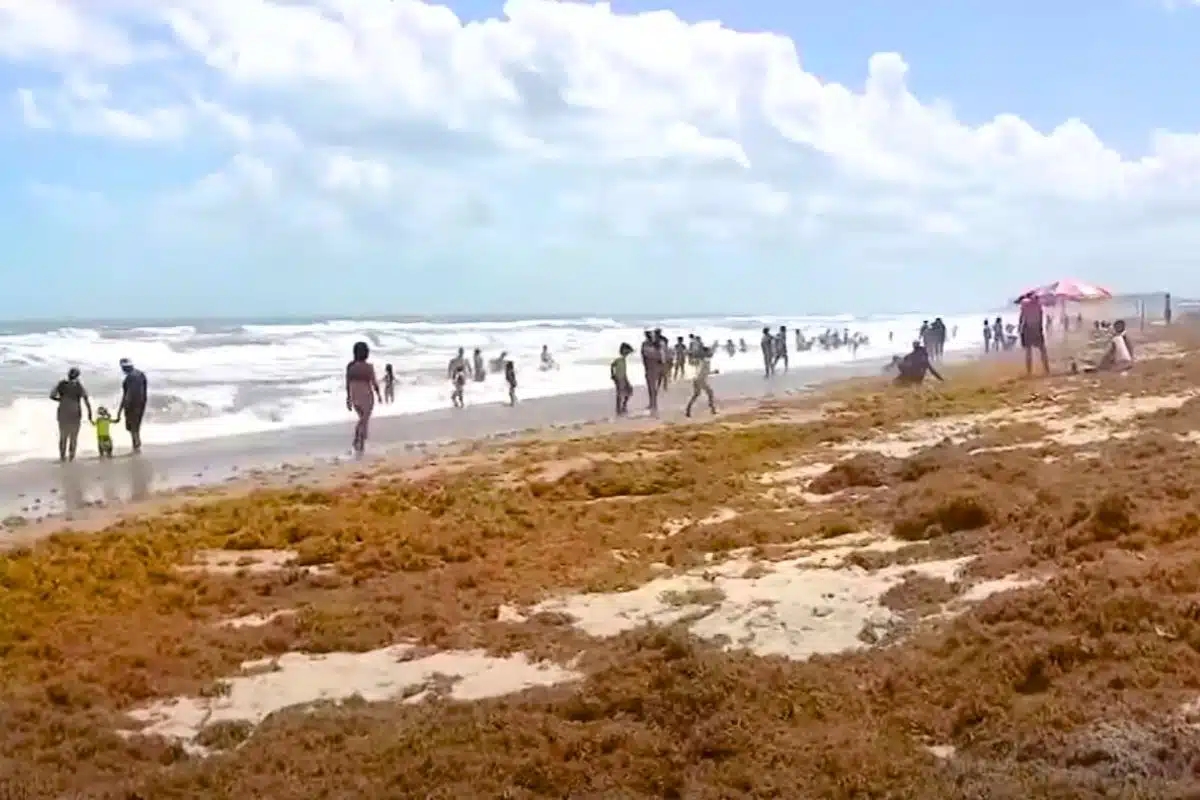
<point x="72" y="398"/>
<point x="133" y="402"/>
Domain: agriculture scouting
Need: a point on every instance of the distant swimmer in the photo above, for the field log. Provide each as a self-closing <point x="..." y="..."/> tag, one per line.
<point x="619" y="370"/>
<point x="742" y="347"/>
<point x="729" y="348"/>
<point x="72" y="398"/>
<point x="389" y="384"/>
<point x="652" y="365"/>
<point x="547" y="359"/>
<point x="362" y="390"/>
<point x="479" y="373"/>
<point x="781" y="347"/>
<point x="768" y="353"/>
<point x="134" y="394"/>
<point x="510" y="377"/>
<point x="681" y="353"/>
<point x="914" y="366"/>
<point x="700" y="384"/>
<point x="457" y="371"/>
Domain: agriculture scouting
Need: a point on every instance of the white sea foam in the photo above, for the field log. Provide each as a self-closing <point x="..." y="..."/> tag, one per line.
<point x="213" y="380"/>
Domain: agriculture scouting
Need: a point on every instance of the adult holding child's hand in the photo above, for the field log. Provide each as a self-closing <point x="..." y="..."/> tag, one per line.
<point x="71" y="398"/>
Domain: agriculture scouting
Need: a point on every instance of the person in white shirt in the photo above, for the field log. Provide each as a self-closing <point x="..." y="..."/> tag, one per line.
<point x="1119" y="356"/>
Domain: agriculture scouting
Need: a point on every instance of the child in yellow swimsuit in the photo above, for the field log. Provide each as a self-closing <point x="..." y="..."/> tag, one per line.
<point x="103" y="424"/>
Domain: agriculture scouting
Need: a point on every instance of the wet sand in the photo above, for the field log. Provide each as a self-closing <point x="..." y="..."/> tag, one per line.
<point x="34" y="491"/>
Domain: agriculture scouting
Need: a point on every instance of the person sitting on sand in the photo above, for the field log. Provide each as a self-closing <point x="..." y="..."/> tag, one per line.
<point x="619" y="370"/>
<point x="700" y="384"/>
<point x="457" y="371"/>
<point x="1118" y="356"/>
<point x="71" y="398"/>
<point x="510" y="377"/>
<point x="389" y="384"/>
<point x="362" y="390"/>
<point x="914" y="366"/>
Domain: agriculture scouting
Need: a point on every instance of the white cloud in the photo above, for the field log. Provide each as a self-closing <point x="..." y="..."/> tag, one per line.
<point x="393" y="124"/>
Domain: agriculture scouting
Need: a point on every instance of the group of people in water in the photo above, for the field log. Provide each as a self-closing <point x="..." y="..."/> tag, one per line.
<point x="73" y="400"/>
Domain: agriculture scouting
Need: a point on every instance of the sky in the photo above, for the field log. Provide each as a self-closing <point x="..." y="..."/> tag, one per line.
<point x="263" y="158"/>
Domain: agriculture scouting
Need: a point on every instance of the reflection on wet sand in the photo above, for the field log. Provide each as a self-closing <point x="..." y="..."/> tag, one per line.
<point x="129" y="479"/>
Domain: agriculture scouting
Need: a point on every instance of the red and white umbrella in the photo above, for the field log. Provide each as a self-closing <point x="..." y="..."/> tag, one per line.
<point x="1069" y="290"/>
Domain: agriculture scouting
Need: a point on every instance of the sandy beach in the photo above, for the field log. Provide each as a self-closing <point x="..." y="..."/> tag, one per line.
<point x="979" y="589"/>
<point x="32" y="491"/>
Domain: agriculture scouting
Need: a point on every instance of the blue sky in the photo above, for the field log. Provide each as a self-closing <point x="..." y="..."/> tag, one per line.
<point x="254" y="158"/>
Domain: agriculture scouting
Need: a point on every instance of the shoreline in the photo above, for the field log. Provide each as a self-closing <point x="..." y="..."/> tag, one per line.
<point x="35" y="494"/>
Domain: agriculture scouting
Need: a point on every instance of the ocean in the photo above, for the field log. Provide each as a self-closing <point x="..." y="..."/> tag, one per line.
<point x="221" y="378"/>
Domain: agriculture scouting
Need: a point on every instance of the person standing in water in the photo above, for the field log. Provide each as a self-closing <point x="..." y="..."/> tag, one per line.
<point x="134" y="394"/>
<point x="700" y="383"/>
<point x="768" y="353"/>
<point x="477" y="362"/>
<point x="362" y="390"/>
<point x="389" y="384"/>
<point x="681" y="353"/>
<point x="664" y="357"/>
<point x="619" y="370"/>
<point x="71" y="398"/>
<point x="457" y="371"/>
<point x="510" y="377"/>
<point x="652" y="365"/>
<point x="781" y="348"/>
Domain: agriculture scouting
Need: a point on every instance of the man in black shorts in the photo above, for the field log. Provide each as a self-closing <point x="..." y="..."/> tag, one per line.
<point x="133" y="402"/>
<point x="1031" y="326"/>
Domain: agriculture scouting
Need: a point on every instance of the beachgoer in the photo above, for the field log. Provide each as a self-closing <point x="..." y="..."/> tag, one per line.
<point x="742" y="346"/>
<point x="103" y="425"/>
<point x="652" y="365"/>
<point x="71" y="398"/>
<point x="768" y="353"/>
<point x="362" y="390"/>
<point x="479" y="372"/>
<point x="510" y="377"/>
<point x="914" y="366"/>
<point x="987" y="337"/>
<point x="134" y="394"/>
<point x="730" y="348"/>
<point x="937" y="331"/>
<point x="389" y="384"/>
<point x="457" y="371"/>
<point x="1119" y="355"/>
<point x="781" y="348"/>
<point x="1032" y="334"/>
<point x="681" y="353"/>
<point x="619" y="371"/>
<point x="999" y="341"/>
<point x="700" y="384"/>
<point x="1167" y="308"/>
<point x="547" y="359"/>
<point x="664" y="356"/>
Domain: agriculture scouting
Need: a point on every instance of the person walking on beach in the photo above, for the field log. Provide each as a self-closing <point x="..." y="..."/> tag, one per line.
<point x="134" y="394"/>
<point x="477" y="360"/>
<point x="700" y="384"/>
<point x="1031" y="331"/>
<point x="768" y="353"/>
<point x="362" y="390"/>
<point x="619" y="371"/>
<point x="781" y="348"/>
<point x="652" y="366"/>
<point x="72" y="398"/>
<point x="389" y="384"/>
<point x="457" y="371"/>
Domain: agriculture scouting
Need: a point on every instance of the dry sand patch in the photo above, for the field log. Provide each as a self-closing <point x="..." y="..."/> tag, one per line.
<point x="299" y="679"/>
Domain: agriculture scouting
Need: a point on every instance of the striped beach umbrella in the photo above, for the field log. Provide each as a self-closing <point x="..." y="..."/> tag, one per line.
<point x="1068" y="290"/>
